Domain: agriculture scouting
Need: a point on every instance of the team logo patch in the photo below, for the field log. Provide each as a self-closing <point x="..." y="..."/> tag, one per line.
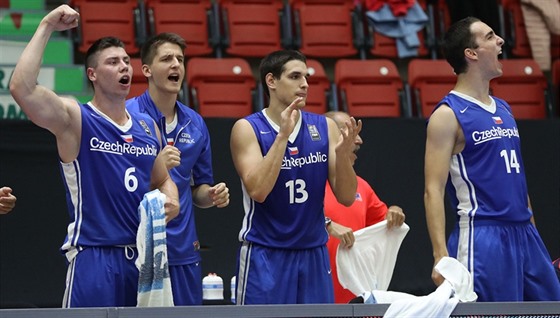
<point x="196" y="245"/>
<point x="146" y="127"/>
<point x="293" y="151"/>
<point x="498" y="120"/>
<point x="127" y="138"/>
<point x="313" y="132"/>
<point x="358" y="197"/>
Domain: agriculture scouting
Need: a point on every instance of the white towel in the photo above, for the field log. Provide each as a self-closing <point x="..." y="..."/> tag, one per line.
<point x="370" y="262"/>
<point x="154" y="284"/>
<point x="458" y="286"/>
<point x="439" y="303"/>
<point x="459" y="277"/>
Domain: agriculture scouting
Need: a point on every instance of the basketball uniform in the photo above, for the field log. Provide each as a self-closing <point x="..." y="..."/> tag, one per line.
<point x="104" y="187"/>
<point x="189" y="134"/>
<point x="494" y="237"/>
<point x="283" y="257"/>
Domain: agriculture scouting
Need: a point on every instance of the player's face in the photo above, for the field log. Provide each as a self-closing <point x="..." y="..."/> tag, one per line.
<point x="167" y="70"/>
<point x="340" y="120"/>
<point x="293" y="83"/>
<point x="113" y="73"/>
<point x="489" y="47"/>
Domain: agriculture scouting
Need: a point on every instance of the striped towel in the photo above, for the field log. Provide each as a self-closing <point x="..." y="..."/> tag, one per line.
<point x="154" y="284"/>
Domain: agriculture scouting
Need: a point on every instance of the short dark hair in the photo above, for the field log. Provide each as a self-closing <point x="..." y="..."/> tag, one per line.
<point x="457" y="38"/>
<point x="98" y="46"/>
<point x="274" y="63"/>
<point x="149" y="49"/>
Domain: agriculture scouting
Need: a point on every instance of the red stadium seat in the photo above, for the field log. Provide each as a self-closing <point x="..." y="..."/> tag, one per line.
<point x="194" y="20"/>
<point x="513" y="29"/>
<point x="221" y="87"/>
<point x="253" y="28"/>
<point x="119" y="18"/>
<point x="318" y="94"/>
<point x="524" y="87"/>
<point x="429" y="81"/>
<point x="369" y="88"/>
<point x="139" y="81"/>
<point x="556" y="85"/>
<point x="326" y="28"/>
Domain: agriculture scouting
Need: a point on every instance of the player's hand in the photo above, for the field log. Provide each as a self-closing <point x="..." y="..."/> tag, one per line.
<point x="344" y="234"/>
<point x="171" y="156"/>
<point x="288" y="117"/>
<point x="7" y="200"/>
<point x="395" y="216"/>
<point x="62" y="18"/>
<point x="347" y="142"/>
<point x="436" y="277"/>
<point x="171" y="207"/>
<point x="219" y="195"/>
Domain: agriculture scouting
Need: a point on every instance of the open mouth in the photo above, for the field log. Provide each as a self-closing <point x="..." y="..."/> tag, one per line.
<point x="124" y="80"/>
<point x="174" y="78"/>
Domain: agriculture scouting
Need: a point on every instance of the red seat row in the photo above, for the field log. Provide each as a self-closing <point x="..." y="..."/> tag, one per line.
<point x="226" y="87"/>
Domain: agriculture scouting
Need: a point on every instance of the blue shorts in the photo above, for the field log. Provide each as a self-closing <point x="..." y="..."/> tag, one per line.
<point x="186" y="282"/>
<point x="509" y="261"/>
<point x="282" y="276"/>
<point x="102" y="277"/>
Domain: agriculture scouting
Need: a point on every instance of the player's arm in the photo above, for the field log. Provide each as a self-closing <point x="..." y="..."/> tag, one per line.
<point x="161" y="180"/>
<point x="342" y="176"/>
<point x="258" y="173"/>
<point x="61" y="116"/>
<point x="344" y="234"/>
<point x="440" y="142"/>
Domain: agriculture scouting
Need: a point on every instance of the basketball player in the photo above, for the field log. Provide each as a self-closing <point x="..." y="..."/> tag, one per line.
<point x="473" y="144"/>
<point x="108" y="162"/>
<point x="188" y="156"/>
<point x="284" y="156"/>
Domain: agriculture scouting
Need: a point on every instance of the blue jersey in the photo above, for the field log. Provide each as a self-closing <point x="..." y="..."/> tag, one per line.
<point x="192" y="138"/>
<point x="292" y="214"/>
<point x="487" y="179"/>
<point x="106" y="182"/>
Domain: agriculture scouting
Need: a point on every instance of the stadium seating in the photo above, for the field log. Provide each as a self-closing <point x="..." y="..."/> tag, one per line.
<point x="252" y="28"/>
<point x="369" y="88"/>
<point x="319" y="96"/>
<point x="555" y="84"/>
<point x="119" y="18"/>
<point x="221" y="87"/>
<point x="139" y="81"/>
<point x="195" y="21"/>
<point x="429" y="81"/>
<point x="524" y="87"/>
<point x="327" y="28"/>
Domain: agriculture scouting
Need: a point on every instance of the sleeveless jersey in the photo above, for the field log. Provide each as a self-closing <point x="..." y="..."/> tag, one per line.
<point x="487" y="179"/>
<point x="106" y="182"/>
<point x="192" y="138"/>
<point x="292" y="215"/>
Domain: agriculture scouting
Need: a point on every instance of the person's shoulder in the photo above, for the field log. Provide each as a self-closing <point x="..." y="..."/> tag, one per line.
<point x="134" y="105"/>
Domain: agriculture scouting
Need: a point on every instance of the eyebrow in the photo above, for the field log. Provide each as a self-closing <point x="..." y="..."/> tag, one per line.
<point x="298" y="73"/>
<point x="489" y="33"/>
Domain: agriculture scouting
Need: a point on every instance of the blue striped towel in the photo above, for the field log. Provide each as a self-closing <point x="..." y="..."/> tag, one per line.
<point x="154" y="284"/>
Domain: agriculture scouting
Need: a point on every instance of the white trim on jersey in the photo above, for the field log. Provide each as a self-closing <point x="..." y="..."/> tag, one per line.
<point x="72" y="176"/>
<point x="466" y="209"/>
